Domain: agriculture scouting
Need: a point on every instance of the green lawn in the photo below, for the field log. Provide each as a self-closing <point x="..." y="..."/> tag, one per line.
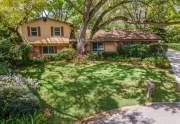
<point x="73" y="92"/>
<point x="175" y="46"/>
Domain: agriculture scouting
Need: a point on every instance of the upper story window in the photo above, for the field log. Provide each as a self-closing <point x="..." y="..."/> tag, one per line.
<point x="34" y="31"/>
<point x="57" y="31"/>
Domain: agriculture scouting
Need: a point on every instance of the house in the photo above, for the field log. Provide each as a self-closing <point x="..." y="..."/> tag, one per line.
<point x="110" y="41"/>
<point x="47" y="36"/>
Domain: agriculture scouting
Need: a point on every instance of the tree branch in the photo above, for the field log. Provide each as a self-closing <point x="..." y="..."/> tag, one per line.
<point x="117" y="18"/>
<point x="97" y="7"/>
<point x="74" y="6"/>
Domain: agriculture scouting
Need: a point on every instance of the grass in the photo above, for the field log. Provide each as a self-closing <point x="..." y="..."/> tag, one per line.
<point x="73" y="92"/>
<point x="175" y="46"/>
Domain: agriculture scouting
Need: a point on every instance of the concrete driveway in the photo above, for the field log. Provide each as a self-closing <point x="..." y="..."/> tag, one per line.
<point x="174" y="57"/>
<point x="159" y="113"/>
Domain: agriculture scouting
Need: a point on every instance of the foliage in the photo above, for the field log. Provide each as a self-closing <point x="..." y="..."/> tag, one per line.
<point x="149" y="61"/>
<point x="12" y="52"/>
<point x="79" y="60"/>
<point x="92" y="55"/>
<point x="143" y="50"/>
<point x="4" y="68"/>
<point x="25" y="49"/>
<point x="175" y="46"/>
<point x="35" y="118"/>
<point x="55" y="57"/>
<point x="67" y="53"/>
<point x="159" y="61"/>
<point x="17" y="95"/>
<point x="162" y="62"/>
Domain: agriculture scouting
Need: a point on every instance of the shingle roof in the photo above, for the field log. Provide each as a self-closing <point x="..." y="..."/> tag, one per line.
<point x="124" y="35"/>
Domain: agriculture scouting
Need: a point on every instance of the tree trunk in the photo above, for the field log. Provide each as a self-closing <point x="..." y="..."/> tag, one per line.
<point x="82" y="38"/>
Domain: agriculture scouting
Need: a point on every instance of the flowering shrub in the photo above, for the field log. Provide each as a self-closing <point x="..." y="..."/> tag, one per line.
<point x="17" y="95"/>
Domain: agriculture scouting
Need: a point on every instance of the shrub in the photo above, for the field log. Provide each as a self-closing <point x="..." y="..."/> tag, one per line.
<point x="67" y="53"/>
<point x="159" y="61"/>
<point x="80" y="60"/>
<point x="40" y="60"/>
<point x="111" y="56"/>
<point x="143" y="50"/>
<point x="134" y="50"/>
<point x="4" y="68"/>
<point x="162" y="62"/>
<point x="150" y="61"/>
<point x="55" y="57"/>
<point x="134" y="61"/>
<point x="17" y="95"/>
<point x="92" y="55"/>
<point x="35" y="118"/>
<point x="12" y="51"/>
<point x="158" y="48"/>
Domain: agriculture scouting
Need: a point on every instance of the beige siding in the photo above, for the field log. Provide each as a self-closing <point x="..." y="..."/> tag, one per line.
<point x="110" y="46"/>
<point x="45" y="27"/>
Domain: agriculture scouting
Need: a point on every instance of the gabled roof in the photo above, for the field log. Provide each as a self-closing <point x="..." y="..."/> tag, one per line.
<point x="46" y="18"/>
<point x="124" y="35"/>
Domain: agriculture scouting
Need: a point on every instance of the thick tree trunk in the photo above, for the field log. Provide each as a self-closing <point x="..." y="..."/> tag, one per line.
<point x="82" y="38"/>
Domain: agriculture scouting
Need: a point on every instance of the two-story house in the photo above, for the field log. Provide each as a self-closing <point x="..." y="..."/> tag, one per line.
<point x="47" y="36"/>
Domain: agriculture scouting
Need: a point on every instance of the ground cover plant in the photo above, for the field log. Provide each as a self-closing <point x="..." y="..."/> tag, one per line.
<point x="72" y="92"/>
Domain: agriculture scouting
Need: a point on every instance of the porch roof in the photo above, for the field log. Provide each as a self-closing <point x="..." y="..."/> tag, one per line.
<point x="52" y="41"/>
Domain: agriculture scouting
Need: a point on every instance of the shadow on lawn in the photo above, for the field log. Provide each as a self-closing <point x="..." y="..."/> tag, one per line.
<point x="76" y="92"/>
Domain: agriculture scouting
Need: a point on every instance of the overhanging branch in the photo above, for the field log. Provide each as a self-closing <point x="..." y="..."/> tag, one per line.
<point x="74" y="6"/>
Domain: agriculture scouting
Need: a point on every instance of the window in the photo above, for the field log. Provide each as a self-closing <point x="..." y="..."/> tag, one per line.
<point x="57" y="31"/>
<point x="49" y="49"/>
<point x="34" y="31"/>
<point x="98" y="46"/>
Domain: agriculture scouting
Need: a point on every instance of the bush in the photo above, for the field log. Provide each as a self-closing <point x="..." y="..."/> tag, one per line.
<point x="158" y="49"/>
<point x="92" y="55"/>
<point x="162" y="62"/>
<point x="143" y="50"/>
<point x="13" y="52"/>
<point x="150" y="61"/>
<point x="134" y="50"/>
<point x="159" y="61"/>
<point x="17" y="95"/>
<point x="40" y="60"/>
<point x="80" y="60"/>
<point x="4" y="68"/>
<point x="67" y="53"/>
<point x="55" y="57"/>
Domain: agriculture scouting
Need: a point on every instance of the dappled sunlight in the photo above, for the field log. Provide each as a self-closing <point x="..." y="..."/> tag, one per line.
<point x="78" y="91"/>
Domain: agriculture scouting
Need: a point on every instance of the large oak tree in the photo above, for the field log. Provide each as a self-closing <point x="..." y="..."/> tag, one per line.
<point x="97" y="14"/>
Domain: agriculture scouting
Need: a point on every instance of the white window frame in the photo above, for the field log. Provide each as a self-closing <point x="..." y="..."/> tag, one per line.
<point x="54" y="31"/>
<point x="34" y="31"/>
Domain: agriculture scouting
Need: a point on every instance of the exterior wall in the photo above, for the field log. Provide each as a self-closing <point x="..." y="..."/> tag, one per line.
<point x="45" y="29"/>
<point x="110" y="46"/>
<point x="37" y="51"/>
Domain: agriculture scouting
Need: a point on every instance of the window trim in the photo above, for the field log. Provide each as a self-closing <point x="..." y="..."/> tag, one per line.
<point x="34" y="31"/>
<point x="97" y="45"/>
<point x="54" y="31"/>
<point x="48" y="49"/>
